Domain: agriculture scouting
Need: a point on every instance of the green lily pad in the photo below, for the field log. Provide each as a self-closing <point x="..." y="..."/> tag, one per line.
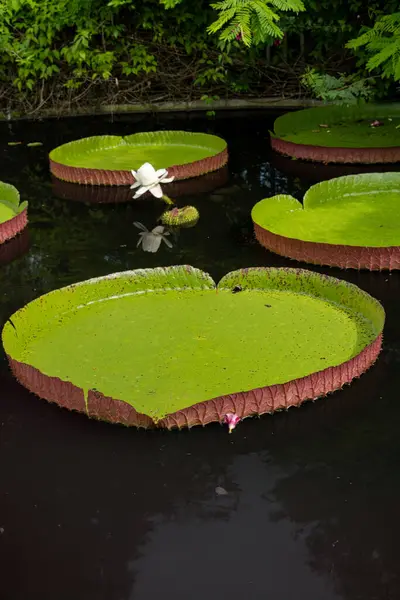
<point x="10" y="206"/>
<point x="355" y="210"/>
<point x="162" y="340"/>
<point x="162" y="149"/>
<point x="348" y="126"/>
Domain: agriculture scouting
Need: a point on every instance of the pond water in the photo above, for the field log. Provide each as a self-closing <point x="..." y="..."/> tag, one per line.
<point x="299" y="504"/>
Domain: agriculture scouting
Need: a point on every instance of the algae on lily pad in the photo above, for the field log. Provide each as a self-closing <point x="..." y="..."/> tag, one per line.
<point x="13" y="214"/>
<point x="167" y="347"/>
<point x="109" y="159"/>
<point x="353" y="218"/>
<point x="366" y="133"/>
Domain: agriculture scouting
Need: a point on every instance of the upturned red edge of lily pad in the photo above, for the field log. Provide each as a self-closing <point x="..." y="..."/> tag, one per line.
<point x="94" y="194"/>
<point x="332" y="255"/>
<point x="12" y="227"/>
<point x="328" y="154"/>
<point x="108" y="177"/>
<point x="244" y="404"/>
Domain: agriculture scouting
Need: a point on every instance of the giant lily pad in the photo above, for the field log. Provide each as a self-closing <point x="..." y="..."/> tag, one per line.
<point x="166" y="347"/>
<point x="348" y="222"/>
<point x="13" y="215"/>
<point x="109" y="159"/>
<point x="340" y="134"/>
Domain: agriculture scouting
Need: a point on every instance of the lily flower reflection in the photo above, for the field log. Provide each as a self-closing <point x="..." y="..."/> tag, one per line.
<point x="151" y="240"/>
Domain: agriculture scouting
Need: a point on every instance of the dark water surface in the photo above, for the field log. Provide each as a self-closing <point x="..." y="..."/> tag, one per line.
<point x="90" y="511"/>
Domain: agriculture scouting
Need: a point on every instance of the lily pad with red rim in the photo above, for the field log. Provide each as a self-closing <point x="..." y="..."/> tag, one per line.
<point x="13" y="214"/>
<point x="166" y="347"/>
<point x="100" y="194"/>
<point x="109" y="159"/>
<point x="347" y="222"/>
<point x="342" y="134"/>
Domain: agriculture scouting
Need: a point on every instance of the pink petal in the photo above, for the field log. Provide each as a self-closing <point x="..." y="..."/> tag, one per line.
<point x="231" y="419"/>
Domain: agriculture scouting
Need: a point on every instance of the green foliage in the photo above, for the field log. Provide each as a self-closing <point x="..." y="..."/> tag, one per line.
<point x="58" y="52"/>
<point x="170" y="3"/>
<point x="382" y="42"/>
<point x="34" y="44"/>
<point x="209" y="100"/>
<point x="252" y="21"/>
<point x="89" y="40"/>
<point x="345" y="89"/>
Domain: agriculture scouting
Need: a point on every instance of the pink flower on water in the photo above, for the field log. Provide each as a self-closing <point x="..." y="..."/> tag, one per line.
<point x="376" y="123"/>
<point x="231" y="420"/>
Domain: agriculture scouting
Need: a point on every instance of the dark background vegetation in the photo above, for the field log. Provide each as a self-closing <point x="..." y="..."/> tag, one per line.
<point x="64" y="54"/>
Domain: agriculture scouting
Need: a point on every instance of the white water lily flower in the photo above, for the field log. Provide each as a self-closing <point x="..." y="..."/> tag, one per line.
<point x="151" y="240"/>
<point x="148" y="180"/>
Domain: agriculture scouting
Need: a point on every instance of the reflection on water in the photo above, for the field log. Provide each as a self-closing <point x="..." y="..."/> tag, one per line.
<point x="315" y="172"/>
<point x="150" y="241"/>
<point x="94" y="511"/>
<point x="94" y="194"/>
<point x="14" y="248"/>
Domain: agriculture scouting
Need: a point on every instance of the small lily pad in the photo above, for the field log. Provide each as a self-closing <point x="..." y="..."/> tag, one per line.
<point x="347" y="139"/>
<point x="351" y="216"/>
<point x="10" y="209"/>
<point x="346" y="210"/>
<point x="34" y="144"/>
<point x="347" y="125"/>
<point x="109" y="159"/>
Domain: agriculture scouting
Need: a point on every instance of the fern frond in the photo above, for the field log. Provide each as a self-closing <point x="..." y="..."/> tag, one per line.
<point x="383" y="42"/>
<point x="382" y="56"/>
<point x="253" y="20"/>
<point x="223" y="18"/>
<point x="286" y="5"/>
